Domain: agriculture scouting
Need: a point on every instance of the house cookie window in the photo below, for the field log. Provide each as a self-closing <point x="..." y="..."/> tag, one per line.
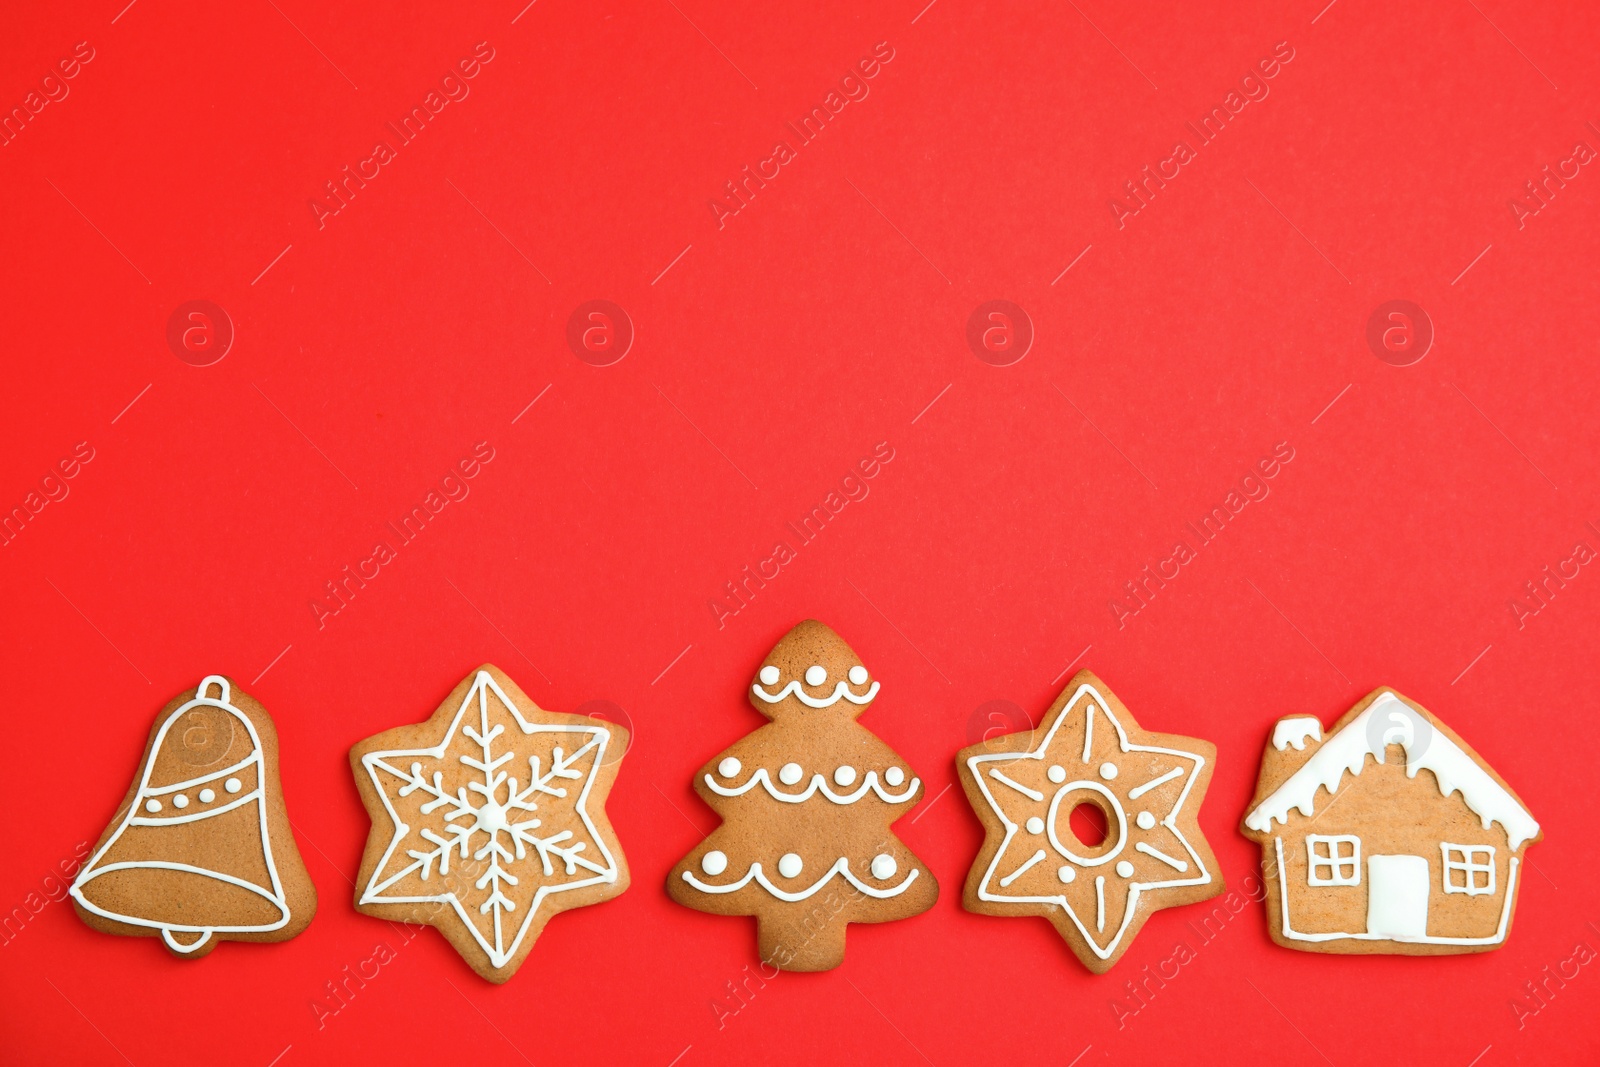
<point x="1468" y="869"/>
<point x="1334" y="860"/>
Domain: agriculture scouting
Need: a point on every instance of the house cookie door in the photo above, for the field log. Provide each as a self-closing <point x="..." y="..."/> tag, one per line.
<point x="1397" y="897"/>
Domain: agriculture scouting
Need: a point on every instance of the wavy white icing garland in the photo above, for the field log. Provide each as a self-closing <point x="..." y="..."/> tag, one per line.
<point x="840" y="690"/>
<point x="841" y="866"/>
<point x="817" y="783"/>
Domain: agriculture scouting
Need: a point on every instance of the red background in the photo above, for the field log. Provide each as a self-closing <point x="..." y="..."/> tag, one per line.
<point x="770" y="356"/>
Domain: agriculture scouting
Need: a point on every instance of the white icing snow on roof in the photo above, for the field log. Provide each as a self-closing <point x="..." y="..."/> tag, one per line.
<point x="1295" y="731"/>
<point x="1389" y="720"/>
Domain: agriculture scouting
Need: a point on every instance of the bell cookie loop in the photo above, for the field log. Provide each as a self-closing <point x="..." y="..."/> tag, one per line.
<point x="222" y="689"/>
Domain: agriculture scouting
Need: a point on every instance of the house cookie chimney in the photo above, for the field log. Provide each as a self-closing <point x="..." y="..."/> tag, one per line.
<point x="1295" y="738"/>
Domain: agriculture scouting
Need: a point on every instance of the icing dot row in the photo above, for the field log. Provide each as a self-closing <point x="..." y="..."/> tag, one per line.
<point x="790" y="865"/>
<point x="791" y="773"/>
<point x="181" y="800"/>
<point x="815" y="675"/>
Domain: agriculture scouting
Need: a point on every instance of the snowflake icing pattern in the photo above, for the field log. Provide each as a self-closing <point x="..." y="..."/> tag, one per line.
<point x="471" y="832"/>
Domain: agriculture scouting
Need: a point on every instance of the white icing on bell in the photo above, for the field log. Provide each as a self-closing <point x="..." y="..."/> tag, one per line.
<point x="790" y="773"/>
<point x="1145" y="820"/>
<point x="790" y="865"/>
<point x="729" y="767"/>
<point x="1108" y="771"/>
<point x="233" y="785"/>
<point x="894" y="776"/>
<point x="1035" y="825"/>
<point x="858" y="675"/>
<point x="714" y="862"/>
<point x="770" y="675"/>
<point x="816" y="674"/>
<point x="844" y="776"/>
<point x="1057" y="774"/>
<point x="180" y="801"/>
<point x="883" y="865"/>
<point x="207" y="795"/>
<point x="1124" y="869"/>
<point x="1066" y="873"/>
<point x="152" y="806"/>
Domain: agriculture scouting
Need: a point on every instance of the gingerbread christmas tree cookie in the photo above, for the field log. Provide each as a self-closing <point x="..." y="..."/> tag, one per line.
<point x="1146" y="788"/>
<point x="488" y="819"/>
<point x="1364" y="852"/>
<point x="201" y="850"/>
<point x="808" y="800"/>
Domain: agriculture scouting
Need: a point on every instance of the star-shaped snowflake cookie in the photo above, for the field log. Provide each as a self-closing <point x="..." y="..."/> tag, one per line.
<point x="1147" y="787"/>
<point x="488" y="819"/>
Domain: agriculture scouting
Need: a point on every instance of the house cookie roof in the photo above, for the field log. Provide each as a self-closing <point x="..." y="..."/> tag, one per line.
<point x="1389" y="720"/>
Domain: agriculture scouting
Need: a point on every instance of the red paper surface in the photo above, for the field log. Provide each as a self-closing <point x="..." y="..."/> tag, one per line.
<point x="772" y="349"/>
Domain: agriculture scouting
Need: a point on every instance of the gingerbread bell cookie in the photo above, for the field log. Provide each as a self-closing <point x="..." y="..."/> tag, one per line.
<point x="488" y="819"/>
<point x="808" y="800"/>
<point x="1146" y="789"/>
<point x="201" y="850"/>
<point x="1364" y="853"/>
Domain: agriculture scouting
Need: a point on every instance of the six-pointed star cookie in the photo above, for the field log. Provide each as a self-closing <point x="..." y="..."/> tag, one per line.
<point x="489" y="818"/>
<point x="1148" y="787"/>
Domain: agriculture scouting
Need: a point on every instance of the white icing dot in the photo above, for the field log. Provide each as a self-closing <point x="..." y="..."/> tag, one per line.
<point x="1124" y="869"/>
<point x="789" y="865"/>
<point x="1057" y="774"/>
<point x="714" y="862"/>
<point x="152" y="806"/>
<point x="894" y="776"/>
<point x="1146" y="821"/>
<point x="1108" y="771"/>
<point x="233" y="785"/>
<point x="884" y="866"/>
<point x="207" y="795"/>
<point x="858" y="675"/>
<point x="844" y="775"/>
<point x="770" y="675"/>
<point x="1065" y="873"/>
<point x="816" y="674"/>
<point x="729" y="767"/>
<point x="1036" y="825"/>
<point x="180" y="801"/>
<point x="790" y="773"/>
